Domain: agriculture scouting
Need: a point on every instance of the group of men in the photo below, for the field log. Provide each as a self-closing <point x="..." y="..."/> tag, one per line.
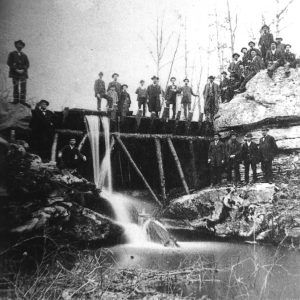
<point x="231" y="154"/>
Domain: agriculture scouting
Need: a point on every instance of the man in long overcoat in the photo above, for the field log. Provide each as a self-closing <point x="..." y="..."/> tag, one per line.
<point x="211" y="94"/>
<point x="216" y="159"/>
<point x="154" y="93"/>
<point x="265" y="40"/>
<point x="267" y="149"/>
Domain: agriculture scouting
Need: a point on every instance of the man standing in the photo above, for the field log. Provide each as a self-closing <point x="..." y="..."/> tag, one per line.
<point x="70" y="156"/>
<point x="223" y="86"/>
<point x="274" y="59"/>
<point x="100" y="92"/>
<point x="141" y="92"/>
<point x="113" y="98"/>
<point x="116" y="84"/>
<point x="42" y="125"/>
<point x="265" y="41"/>
<point x="234" y="66"/>
<point x="233" y="153"/>
<point x="124" y="101"/>
<point x="18" y="70"/>
<point x="211" y="99"/>
<point x="250" y="157"/>
<point x="171" y="95"/>
<point x="186" y="100"/>
<point x="267" y="150"/>
<point x="216" y="159"/>
<point x="153" y="94"/>
<point x="289" y="59"/>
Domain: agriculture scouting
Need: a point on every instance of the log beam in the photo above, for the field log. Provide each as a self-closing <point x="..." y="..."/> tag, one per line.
<point x="54" y="147"/>
<point x="161" y="169"/>
<point x="118" y="139"/>
<point x="193" y="162"/>
<point x="82" y="142"/>
<point x="178" y="165"/>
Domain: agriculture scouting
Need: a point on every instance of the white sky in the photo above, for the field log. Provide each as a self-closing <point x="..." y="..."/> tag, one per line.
<point x="69" y="41"/>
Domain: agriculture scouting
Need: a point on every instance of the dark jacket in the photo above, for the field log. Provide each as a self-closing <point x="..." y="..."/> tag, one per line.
<point x="216" y="153"/>
<point x="277" y="56"/>
<point x="265" y="41"/>
<point x="99" y="87"/>
<point x="233" y="148"/>
<point x="42" y="122"/>
<point x="211" y="94"/>
<point x="289" y="57"/>
<point x="171" y="92"/>
<point x="70" y="157"/>
<point x="117" y="86"/>
<point x="224" y="83"/>
<point x="256" y="64"/>
<point x="124" y="102"/>
<point x="267" y="148"/>
<point x="250" y="153"/>
<point x="18" y="61"/>
<point x="234" y="67"/>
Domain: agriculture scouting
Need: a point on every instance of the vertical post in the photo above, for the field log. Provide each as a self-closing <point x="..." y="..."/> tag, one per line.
<point x="54" y="147"/>
<point x="137" y="169"/>
<point x="193" y="162"/>
<point x="160" y="169"/>
<point x="178" y="165"/>
<point x="82" y="142"/>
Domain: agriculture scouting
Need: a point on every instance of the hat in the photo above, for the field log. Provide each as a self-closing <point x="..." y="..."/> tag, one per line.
<point x="114" y="75"/>
<point x="100" y="73"/>
<point x="224" y="72"/>
<point x="251" y="42"/>
<point x="243" y="49"/>
<point x="218" y="134"/>
<point x="186" y="79"/>
<point x="20" y="42"/>
<point x="124" y="85"/>
<point x="274" y="43"/>
<point x="154" y="77"/>
<point x="172" y="78"/>
<point x="287" y="45"/>
<point x="232" y="132"/>
<point x="234" y="54"/>
<point x="265" y="26"/>
<point x="249" y="135"/>
<point x="44" y="101"/>
<point x="279" y="38"/>
<point x="142" y="80"/>
<point x="211" y="77"/>
<point x="72" y="138"/>
<point x="265" y="129"/>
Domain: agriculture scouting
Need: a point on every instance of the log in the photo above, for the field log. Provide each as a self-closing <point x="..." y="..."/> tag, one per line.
<point x="193" y="162"/>
<point x="137" y="169"/>
<point x="161" y="169"/>
<point x="82" y="142"/>
<point x="139" y="135"/>
<point x="54" y="147"/>
<point x="178" y="165"/>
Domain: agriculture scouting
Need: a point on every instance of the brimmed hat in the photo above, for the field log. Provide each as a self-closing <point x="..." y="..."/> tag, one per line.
<point x="115" y="74"/>
<point x="154" y="77"/>
<point x="279" y="38"/>
<point x="274" y="43"/>
<point x="287" y="45"/>
<point x="20" y="42"/>
<point x="224" y="72"/>
<point x="172" y="78"/>
<point x="72" y="138"/>
<point x="186" y="79"/>
<point x="265" y="26"/>
<point x="124" y="85"/>
<point x="243" y="49"/>
<point x="100" y="73"/>
<point x="234" y="54"/>
<point x="44" y="101"/>
<point x="142" y="80"/>
<point x="249" y="135"/>
<point x="211" y="77"/>
<point x="251" y="42"/>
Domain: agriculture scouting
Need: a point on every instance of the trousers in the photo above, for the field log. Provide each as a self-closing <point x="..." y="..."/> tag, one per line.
<point x="266" y="166"/>
<point x="247" y="165"/>
<point x="19" y="89"/>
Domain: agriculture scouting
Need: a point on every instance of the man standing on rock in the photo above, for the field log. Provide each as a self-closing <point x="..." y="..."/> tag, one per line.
<point x="234" y="66"/>
<point x="265" y="41"/>
<point x="250" y="157"/>
<point x="216" y="159"/>
<point x="18" y="70"/>
<point x="223" y="86"/>
<point x="211" y="99"/>
<point x="233" y="154"/>
<point x="267" y="151"/>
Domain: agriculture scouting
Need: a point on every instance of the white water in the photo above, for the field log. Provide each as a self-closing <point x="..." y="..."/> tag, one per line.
<point x="103" y="174"/>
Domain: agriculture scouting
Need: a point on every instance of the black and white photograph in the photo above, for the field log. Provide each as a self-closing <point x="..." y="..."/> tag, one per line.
<point x="149" y="149"/>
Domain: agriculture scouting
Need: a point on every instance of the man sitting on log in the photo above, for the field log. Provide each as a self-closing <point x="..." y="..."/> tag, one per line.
<point x="289" y="59"/>
<point x="216" y="159"/>
<point x="211" y="95"/>
<point x="70" y="156"/>
<point x="267" y="151"/>
<point x="274" y="59"/>
<point x="250" y="157"/>
<point x="154" y="93"/>
<point x="233" y="154"/>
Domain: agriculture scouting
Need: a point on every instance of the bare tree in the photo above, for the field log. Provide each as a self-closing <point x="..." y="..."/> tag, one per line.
<point x="281" y="12"/>
<point x="232" y="24"/>
<point x="185" y="50"/>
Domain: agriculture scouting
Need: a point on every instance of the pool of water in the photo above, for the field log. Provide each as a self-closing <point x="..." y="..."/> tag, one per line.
<point x="229" y="270"/>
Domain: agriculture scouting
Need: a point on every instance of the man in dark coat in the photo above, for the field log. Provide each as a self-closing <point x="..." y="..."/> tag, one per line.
<point x="267" y="151"/>
<point x="245" y="57"/>
<point x="289" y="59"/>
<point x="141" y="92"/>
<point x="42" y="125"/>
<point x="265" y="41"/>
<point x="234" y="84"/>
<point x="186" y="100"/>
<point x="279" y="46"/>
<point x="154" y="92"/>
<point x="223" y="86"/>
<point x="211" y="94"/>
<point x="18" y="70"/>
<point x="171" y="95"/>
<point x="70" y="156"/>
<point x="233" y="155"/>
<point x="234" y="66"/>
<point x="251" y="45"/>
<point x="124" y="102"/>
<point x="274" y="59"/>
<point x="100" y="91"/>
<point x="250" y="157"/>
<point x="216" y="159"/>
<point x="116" y="84"/>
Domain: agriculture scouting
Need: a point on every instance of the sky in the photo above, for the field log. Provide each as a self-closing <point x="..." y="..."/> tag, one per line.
<point x="69" y="41"/>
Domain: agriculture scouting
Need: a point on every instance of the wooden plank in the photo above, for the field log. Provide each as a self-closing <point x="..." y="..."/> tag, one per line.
<point x="54" y="147"/>
<point x="178" y="165"/>
<point x="80" y="145"/>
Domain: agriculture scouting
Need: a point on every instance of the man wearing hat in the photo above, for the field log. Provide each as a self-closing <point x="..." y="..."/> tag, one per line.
<point x="251" y="45"/>
<point x="279" y="46"/>
<point x="274" y="59"/>
<point x="18" y="70"/>
<point x="216" y="159"/>
<point x="171" y="95"/>
<point x="116" y="84"/>
<point x="42" y="125"/>
<point x="245" y="57"/>
<point x="124" y="102"/>
<point x="186" y="100"/>
<point x="100" y="91"/>
<point x="233" y="155"/>
<point x="289" y="59"/>
<point x="154" y="93"/>
<point x="141" y="92"/>
<point x="250" y="157"/>
<point x="267" y="150"/>
<point x="265" y="40"/>
<point x="233" y="84"/>
<point x="223" y="86"/>
<point x="211" y="95"/>
<point x="234" y="66"/>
